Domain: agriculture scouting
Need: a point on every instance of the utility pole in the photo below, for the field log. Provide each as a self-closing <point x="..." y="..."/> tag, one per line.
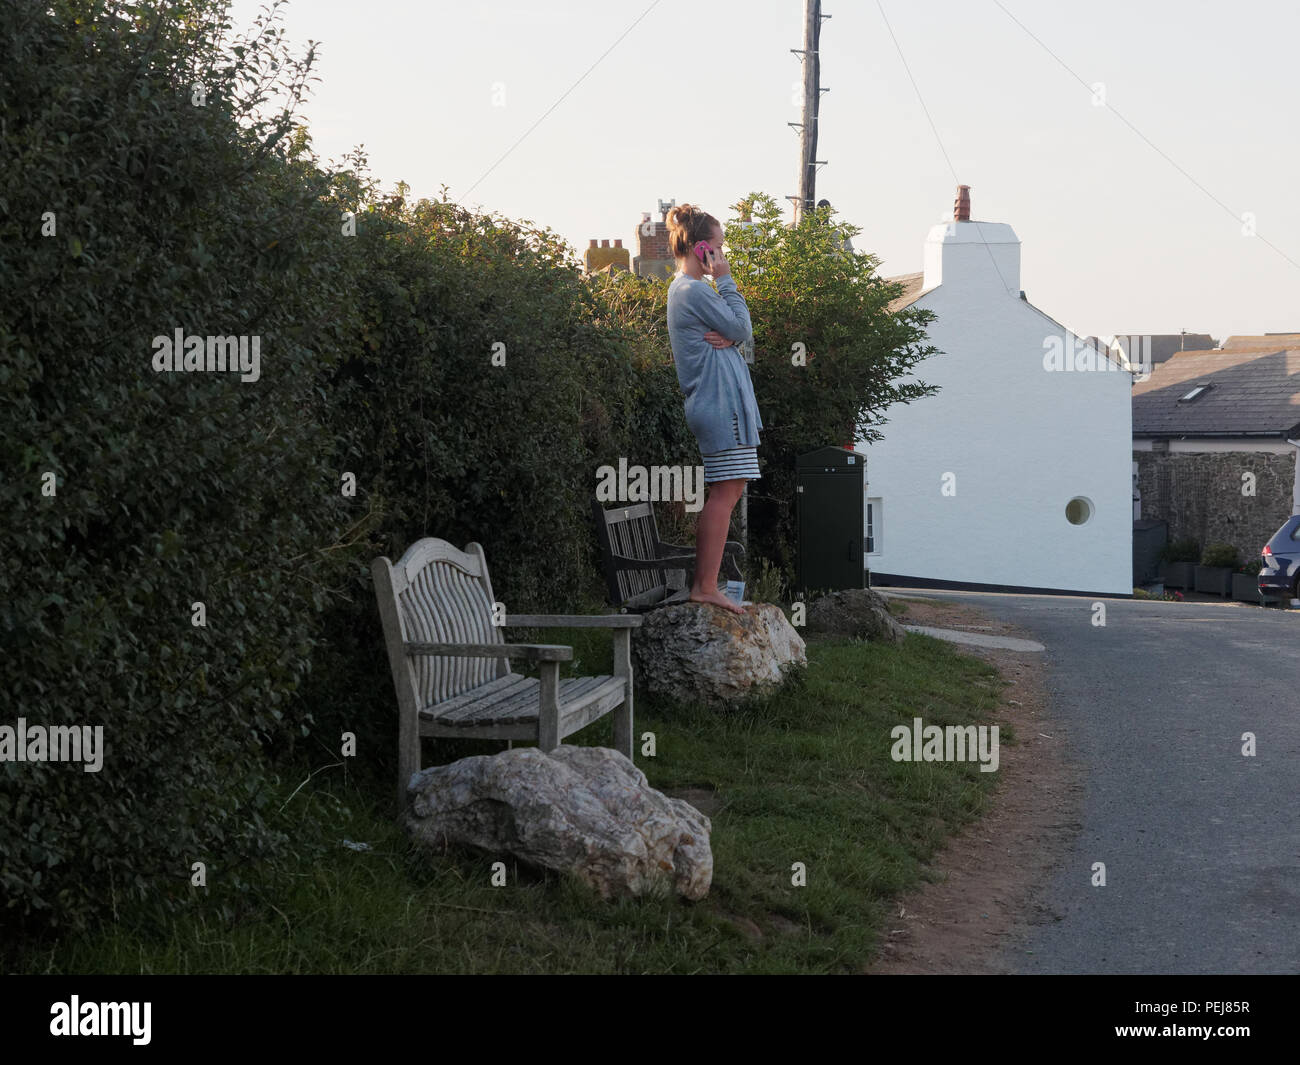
<point x="810" y="55"/>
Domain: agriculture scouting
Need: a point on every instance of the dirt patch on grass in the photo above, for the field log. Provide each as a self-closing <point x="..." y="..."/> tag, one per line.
<point x="989" y="875"/>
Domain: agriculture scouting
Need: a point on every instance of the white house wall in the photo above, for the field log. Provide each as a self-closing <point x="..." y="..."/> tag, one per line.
<point x="1020" y="442"/>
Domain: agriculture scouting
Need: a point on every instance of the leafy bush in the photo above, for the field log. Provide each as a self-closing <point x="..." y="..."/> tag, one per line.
<point x="492" y="383"/>
<point x="153" y="178"/>
<point x="767" y="587"/>
<point x="170" y="488"/>
<point x="1222" y="555"/>
<point x="1185" y="550"/>
<point x="829" y="356"/>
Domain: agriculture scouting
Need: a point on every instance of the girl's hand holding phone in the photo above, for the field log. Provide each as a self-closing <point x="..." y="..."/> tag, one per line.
<point x="714" y="262"/>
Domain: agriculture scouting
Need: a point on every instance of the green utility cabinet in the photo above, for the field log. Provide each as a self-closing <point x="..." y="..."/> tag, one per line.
<point x="831" y="500"/>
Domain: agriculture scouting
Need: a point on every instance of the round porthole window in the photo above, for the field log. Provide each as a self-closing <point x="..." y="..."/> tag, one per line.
<point x="1078" y="510"/>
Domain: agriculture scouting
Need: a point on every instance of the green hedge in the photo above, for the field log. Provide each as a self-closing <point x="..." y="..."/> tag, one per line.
<point x="172" y="489"/>
<point x="216" y="218"/>
<point x="460" y="446"/>
<point x="180" y="198"/>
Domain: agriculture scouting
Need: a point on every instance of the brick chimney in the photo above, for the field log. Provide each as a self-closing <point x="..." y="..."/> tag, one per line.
<point x="653" y="259"/>
<point x="961" y="206"/>
<point x="599" y="255"/>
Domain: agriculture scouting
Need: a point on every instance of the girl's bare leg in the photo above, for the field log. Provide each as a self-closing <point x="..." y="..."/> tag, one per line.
<point x="710" y="537"/>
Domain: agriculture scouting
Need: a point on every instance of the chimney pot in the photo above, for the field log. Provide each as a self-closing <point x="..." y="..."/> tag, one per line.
<point x="618" y="242"/>
<point x="593" y="243"/>
<point x="961" y="206"/>
<point x="604" y="244"/>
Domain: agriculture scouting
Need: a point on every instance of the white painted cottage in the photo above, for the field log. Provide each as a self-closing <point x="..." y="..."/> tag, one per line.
<point x="1017" y="473"/>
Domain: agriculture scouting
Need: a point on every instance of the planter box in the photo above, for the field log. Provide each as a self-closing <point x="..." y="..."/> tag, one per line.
<point x="1214" y="580"/>
<point x="1177" y="574"/>
<point x="1245" y="588"/>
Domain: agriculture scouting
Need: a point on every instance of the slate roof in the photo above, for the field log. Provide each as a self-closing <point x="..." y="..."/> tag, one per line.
<point x="1256" y="391"/>
<point x="1268" y="342"/>
<point x="913" y="290"/>
<point x="1164" y="345"/>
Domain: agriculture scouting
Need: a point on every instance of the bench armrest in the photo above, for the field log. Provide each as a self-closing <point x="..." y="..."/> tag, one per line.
<point x="533" y="652"/>
<point x="573" y="621"/>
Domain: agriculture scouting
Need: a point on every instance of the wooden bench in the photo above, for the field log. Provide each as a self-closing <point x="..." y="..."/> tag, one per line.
<point x="641" y="571"/>
<point x="451" y="664"/>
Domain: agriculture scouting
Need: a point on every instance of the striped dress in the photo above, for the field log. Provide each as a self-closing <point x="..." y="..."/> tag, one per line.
<point x="734" y="464"/>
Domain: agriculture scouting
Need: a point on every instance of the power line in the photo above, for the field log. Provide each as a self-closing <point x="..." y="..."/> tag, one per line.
<point x="1145" y="140"/>
<point x="562" y="98"/>
<point x="939" y="141"/>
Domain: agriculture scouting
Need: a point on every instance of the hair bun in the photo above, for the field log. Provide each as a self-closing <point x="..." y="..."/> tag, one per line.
<point x="687" y="225"/>
<point x="682" y="215"/>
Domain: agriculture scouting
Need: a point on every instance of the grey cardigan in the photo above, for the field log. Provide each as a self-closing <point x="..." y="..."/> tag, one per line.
<point x="715" y="381"/>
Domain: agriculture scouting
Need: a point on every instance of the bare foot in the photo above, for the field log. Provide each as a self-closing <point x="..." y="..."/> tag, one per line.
<point x="717" y="599"/>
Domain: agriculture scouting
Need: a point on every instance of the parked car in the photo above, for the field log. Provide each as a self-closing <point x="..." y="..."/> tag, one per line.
<point x="1280" y="577"/>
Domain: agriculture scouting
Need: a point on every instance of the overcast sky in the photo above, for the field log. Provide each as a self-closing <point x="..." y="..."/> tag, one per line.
<point x="692" y="105"/>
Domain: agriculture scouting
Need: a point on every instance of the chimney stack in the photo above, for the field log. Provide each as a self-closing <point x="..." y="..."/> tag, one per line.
<point x="961" y="206"/>
<point x="599" y="256"/>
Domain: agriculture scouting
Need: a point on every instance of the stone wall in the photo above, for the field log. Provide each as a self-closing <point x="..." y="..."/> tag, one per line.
<point x="1199" y="493"/>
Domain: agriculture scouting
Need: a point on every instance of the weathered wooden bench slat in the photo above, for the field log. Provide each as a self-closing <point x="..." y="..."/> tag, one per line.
<point x="533" y="652"/>
<point x="502" y="688"/>
<point x="599" y="702"/>
<point x="571" y="691"/>
<point x="578" y="695"/>
<point x="451" y="665"/>
<point x="524" y="695"/>
<point x="643" y="572"/>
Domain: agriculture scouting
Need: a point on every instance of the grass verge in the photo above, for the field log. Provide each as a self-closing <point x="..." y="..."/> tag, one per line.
<point x="805" y="777"/>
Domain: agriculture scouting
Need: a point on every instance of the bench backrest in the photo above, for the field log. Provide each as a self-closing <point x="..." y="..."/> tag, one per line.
<point x="631" y="531"/>
<point x="436" y="593"/>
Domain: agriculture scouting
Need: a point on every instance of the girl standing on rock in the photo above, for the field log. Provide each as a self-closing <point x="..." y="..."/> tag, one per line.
<point x="704" y="328"/>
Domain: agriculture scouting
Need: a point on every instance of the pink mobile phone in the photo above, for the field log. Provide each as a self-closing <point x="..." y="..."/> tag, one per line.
<point x="701" y="247"/>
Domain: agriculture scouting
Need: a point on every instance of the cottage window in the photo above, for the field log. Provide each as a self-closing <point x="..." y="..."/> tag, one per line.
<point x="873" y="544"/>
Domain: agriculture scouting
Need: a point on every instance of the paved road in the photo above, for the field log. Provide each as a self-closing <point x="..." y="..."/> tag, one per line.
<point x="1201" y="844"/>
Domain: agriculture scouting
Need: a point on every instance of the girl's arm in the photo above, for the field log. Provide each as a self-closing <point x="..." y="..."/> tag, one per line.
<point x="728" y="316"/>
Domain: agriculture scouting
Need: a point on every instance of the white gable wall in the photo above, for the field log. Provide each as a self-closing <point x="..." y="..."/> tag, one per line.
<point x="1020" y="441"/>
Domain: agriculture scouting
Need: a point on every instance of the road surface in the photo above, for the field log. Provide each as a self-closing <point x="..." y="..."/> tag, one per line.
<point x="1200" y="843"/>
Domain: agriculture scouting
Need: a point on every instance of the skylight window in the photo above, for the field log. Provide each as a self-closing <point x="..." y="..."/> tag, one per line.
<point x="1195" y="393"/>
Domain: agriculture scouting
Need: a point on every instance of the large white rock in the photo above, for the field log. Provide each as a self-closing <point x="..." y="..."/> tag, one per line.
<point x="584" y="810"/>
<point x="695" y="652"/>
